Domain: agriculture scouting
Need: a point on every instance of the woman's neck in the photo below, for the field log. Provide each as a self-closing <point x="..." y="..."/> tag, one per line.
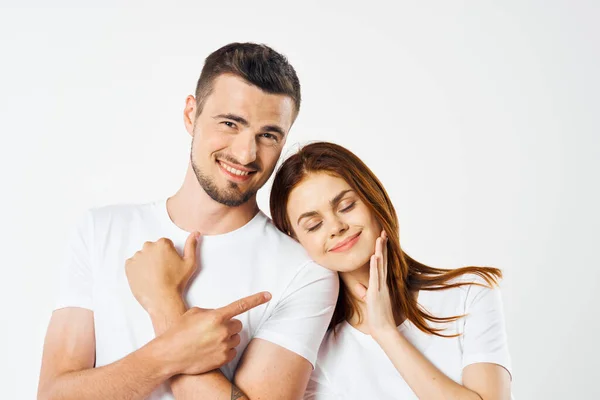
<point x="351" y="280"/>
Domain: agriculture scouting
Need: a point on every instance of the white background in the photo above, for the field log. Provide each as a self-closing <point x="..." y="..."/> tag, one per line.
<point x="480" y="118"/>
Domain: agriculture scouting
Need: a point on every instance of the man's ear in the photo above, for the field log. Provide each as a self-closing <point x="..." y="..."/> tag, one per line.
<point x="189" y="114"/>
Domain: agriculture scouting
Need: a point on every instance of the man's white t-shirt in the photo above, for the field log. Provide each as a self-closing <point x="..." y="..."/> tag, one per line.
<point x="253" y="258"/>
<point x="351" y="365"/>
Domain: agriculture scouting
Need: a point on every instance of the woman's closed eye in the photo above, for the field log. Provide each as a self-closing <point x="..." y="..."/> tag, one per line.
<point x="345" y="208"/>
<point x="314" y="227"/>
<point x="348" y="207"/>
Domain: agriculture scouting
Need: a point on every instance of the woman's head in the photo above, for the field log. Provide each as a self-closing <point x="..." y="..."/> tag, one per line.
<point x="323" y="196"/>
<point x="312" y="182"/>
<point x="327" y="198"/>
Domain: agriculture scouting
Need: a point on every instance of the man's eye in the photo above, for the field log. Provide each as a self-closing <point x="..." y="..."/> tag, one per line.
<point x="314" y="227"/>
<point x="229" y="124"/>
<point x="269" y="136"/>
<point x="348" y="208"/>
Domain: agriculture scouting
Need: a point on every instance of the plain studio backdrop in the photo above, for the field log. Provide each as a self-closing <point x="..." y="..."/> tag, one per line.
<point x="480" y="118"/>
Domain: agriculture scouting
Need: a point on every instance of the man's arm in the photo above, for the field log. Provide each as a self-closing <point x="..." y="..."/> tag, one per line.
<point x="197" y="342"/>
<point x="68" y="363"/>
<point x="157" y="276"/>
<point x="266" y="370"/>
<point x="211" y="385"/>
<point x="271" y="371"/>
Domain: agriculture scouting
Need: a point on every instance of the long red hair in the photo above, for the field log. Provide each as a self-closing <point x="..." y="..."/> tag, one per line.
<point x="405" y="275"/>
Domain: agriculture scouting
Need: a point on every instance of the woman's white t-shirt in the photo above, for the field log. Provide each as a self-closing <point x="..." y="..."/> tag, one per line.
<point x="351" y="365"/>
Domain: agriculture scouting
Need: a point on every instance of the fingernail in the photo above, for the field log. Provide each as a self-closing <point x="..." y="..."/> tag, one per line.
<point x="267" y="296"/>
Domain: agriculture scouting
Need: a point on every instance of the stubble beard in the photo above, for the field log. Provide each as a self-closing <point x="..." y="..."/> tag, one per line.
<point x="231" y="196"/>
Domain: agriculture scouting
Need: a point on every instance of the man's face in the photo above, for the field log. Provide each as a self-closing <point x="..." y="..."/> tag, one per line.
<point x="237" y="138"/>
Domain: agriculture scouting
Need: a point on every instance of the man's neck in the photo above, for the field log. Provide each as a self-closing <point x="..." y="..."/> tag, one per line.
<point x="192" y="209"/>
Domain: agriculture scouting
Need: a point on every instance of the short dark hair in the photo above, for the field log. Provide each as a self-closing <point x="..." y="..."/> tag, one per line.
<point x="257" y="64"/>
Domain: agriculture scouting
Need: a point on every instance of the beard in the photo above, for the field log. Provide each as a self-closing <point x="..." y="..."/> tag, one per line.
<point x="232" y="196"/>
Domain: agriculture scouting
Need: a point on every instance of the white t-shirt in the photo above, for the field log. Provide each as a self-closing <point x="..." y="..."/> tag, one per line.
<point x="251" y="259"/>
<point x="351" y="365"/>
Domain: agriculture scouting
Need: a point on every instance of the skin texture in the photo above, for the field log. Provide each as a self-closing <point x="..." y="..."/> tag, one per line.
<point x="246" y="128"/>
<point x="363" y="269"/>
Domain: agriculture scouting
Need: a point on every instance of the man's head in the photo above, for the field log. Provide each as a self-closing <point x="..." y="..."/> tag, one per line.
<point x="246" y="100"/>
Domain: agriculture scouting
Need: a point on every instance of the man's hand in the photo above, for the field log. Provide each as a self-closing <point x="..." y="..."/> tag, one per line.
<point x="157" y="273"/>
<point x="203" y="340"/>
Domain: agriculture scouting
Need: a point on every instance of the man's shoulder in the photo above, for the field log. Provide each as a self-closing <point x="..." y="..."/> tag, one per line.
<point x="282" y="247"/>
<point x="122" y="210"/>
<point x="120" y="217"/>
<point x="280" y="244"/>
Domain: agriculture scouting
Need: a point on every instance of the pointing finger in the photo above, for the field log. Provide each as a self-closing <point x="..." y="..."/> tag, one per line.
<point x="242" y="305"/>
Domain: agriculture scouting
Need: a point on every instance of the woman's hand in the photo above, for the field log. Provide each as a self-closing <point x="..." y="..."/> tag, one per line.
<point x="380" y="317"/>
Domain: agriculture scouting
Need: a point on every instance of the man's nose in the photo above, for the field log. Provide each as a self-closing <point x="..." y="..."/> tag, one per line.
<point x="243" y="148"/>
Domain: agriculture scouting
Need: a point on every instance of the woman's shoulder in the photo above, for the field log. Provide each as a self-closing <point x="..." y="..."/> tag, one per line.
<point x="338" y="341"/>
<point x="471" y="282"/>
<point x="470" y="278"/>
<point x="457" y="295"/>
<point x="331" y="345"/>
<point x="334" y="337"/>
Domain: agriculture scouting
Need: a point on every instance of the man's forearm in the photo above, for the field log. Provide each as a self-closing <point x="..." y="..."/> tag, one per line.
<point x="132" y="377"/>
<point x="211" y="385"/>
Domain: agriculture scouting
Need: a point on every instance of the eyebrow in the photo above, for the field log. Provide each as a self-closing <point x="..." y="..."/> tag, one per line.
<point x="274" y="129"/>
<point x="243" y="121"/>
<point x="333" y="202"/>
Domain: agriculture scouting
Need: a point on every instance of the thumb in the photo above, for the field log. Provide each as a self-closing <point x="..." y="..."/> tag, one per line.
<point x="361" y="290"/>
<point x="189" y="249"/>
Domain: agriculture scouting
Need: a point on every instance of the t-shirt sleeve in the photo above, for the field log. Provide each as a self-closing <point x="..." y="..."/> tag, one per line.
<point x="302" y="315"/>
<point x="484" y="338"/>
<point x="75" y="279"/>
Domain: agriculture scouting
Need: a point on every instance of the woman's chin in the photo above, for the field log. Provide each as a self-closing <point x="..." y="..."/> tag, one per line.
<point x="348" y="265"/>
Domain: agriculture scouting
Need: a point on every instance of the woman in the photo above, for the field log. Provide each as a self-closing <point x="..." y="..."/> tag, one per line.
<point x="400" y="329"/>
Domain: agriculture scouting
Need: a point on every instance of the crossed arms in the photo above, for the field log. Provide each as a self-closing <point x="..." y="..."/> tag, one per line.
<point x="189" y="347"/>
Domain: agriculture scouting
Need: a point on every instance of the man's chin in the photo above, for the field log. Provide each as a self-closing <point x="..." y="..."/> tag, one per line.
<point x="230" y="199"/>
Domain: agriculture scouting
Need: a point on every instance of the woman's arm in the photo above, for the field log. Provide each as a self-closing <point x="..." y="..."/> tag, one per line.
<point x="482" y="381"/>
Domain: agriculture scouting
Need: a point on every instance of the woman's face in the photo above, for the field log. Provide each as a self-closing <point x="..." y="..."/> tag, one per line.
<point x="331" y="222"/>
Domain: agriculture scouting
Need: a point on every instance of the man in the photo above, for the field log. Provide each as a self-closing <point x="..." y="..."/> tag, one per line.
<point x="121" y="330"/>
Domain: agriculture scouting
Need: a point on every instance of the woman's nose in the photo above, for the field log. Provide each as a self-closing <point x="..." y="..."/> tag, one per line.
<point x="338" y="227"/>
